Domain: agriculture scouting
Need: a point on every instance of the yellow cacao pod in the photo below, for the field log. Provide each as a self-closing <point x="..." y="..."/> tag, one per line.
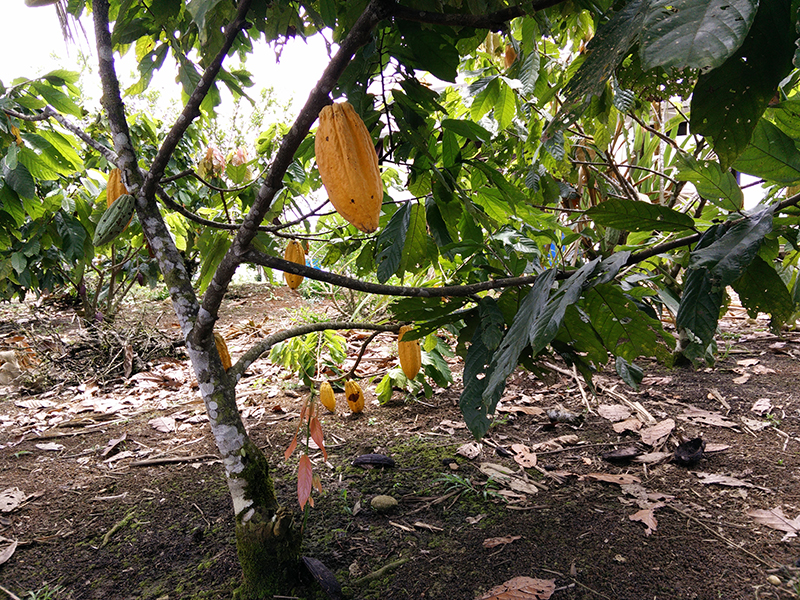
<point x="355" y="396"/>
<point x="222" y="348"/>
<point x="296" y="254"/>
<point x="15" y="133"/>
<point x="326" y="396"/>
<point x="114" y="188"/>
<point x="510" y="55"/>
<point x="348" y="166"/>
<point x="409" y="352"/>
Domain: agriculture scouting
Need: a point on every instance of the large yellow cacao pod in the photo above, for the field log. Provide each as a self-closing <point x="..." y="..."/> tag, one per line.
<point x="114" y="188"/>
<point x="296" y="254"/>
<point x="409" y="352"/>
<point x="326" y="396"/>
<point x="222" y="348"/>
<point x="355" y="396"/>
<point x="348" y="166"/>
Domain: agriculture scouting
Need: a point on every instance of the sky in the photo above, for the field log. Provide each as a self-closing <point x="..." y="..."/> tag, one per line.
<point x="34" y="45"/>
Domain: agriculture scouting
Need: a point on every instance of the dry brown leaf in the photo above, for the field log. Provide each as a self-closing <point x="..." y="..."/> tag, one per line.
<point x="716" y="448"/>
<point x="647" y="517"/>
<point x="7" y="548"/>
<point x="50" y="446"/>
<point x="521" y="588"/>
<point x="470" y="450"/>
<point x="11" y="498"/>
<point x="112" y="445"/>
<point x="653" y="458"/>
<point x="748" y="362"/>
<point x="505" y="476"/>
<point x="726" y="480"/>
<point x="762" y="370"/>
<point x="775" y="519"/>
<point x="632" y="424"/>
<point x="35" y="403"/>
<point x="127" y="363"/>
<point x="741" y="379"/>
<point x="657" y="434"/>
<point x="163" y="424"/>
<point x="622" y="479"/>
<point x="762" y="406"/>
<point x="706" y="417"/>
<point x="614" y="412"/>
<point x="500" y="541"/>
<point x="535" y="411"/>
<point x="523" y="456"/>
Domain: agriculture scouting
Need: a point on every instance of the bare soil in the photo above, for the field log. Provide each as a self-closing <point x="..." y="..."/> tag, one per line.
<point x="121" y="494"/>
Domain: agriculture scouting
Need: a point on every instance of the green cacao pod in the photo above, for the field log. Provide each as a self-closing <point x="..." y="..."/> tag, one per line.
<point x="114" y="220"/>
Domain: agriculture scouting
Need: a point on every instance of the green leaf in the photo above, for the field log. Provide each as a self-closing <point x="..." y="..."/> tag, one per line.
<point x="771" y="155"/>
<point x="468" y="129"/>
<point x="416" y="242"/>
<point x="476" y="407"/>
<point x="761" y="289"/>
<point x="701" y="34"/>
<point x="20" y="180"/>
<point x="711" y="182"/>
<point x="629" y="215"/>
<point x="11" y="205"/>
<point x="728" y="256"/>
<point x="505" y="109"/>
<point x="577" y="332"/>
<point x="485" y="100"/>
<point x="625" y="329"/>
<point x="389" y="248"/>
<point x="58" y="99"/>
<point x="199" y="9"/>
<point x="629" y="372"/>
<point x="492" y="322"/>
<point x="430" y="50"/>
<point x="529" y="72"/>
<point x="506" y="357"/>
<point x="728" y="101"/>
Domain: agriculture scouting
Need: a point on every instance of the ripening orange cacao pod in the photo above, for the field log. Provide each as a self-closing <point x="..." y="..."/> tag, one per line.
<point x="409" y="352"/>
<point x="348" y="166"/>
<point x="296" y="254"/>
<point x="510" y="55"/>
<point x="114" y="188"/>
<point x="222" y="348"/>
<point x="355" y="396"/>
<point x="326" y="396"/>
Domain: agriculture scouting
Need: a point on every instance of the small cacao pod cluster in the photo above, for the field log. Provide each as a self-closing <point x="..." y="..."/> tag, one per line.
<point x="354" y="395"/>
<point x="222" y="349"/>
<point x="348" y="166"/>
<point x="114" y="220"/>
<point x="409" y="352"/>
<point x="296" y="254"/>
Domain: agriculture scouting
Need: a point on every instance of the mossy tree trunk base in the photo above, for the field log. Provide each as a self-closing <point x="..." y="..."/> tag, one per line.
<point x="269" y="552"/>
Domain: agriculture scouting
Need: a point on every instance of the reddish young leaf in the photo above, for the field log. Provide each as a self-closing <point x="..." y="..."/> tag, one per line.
<point x="315" y="428"/>
<point x="291" y="447"/>
<point x="305" y="480"/>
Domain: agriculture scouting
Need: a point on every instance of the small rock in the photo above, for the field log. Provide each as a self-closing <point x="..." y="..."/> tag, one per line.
<point x="383" y="504"/>
<point x="774" y="580"/>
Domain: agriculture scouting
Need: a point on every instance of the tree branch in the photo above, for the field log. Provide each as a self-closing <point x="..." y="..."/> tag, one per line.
<point x="192" y="109"/>
<point x="495" y="21"/>
<point x="249" y="357"/>
<point x="319" y="97"/>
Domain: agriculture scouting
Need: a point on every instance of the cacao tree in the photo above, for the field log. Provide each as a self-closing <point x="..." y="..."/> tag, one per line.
<point x="558" y="176"/>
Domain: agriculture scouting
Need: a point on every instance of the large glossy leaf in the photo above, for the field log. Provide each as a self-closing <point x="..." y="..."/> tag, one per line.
<point x="729" y="100"/>
<point x="761" y="289"/>
<point x="578" y="333"/>
<point x="787" y="117"/>
<point x="629" y="215"/>
<point x="492" y="322"/>
<point x="468" y="129"/>
<point x="771" y="155"/>
<point x="623" y="327"/>
<point x="700" y="34"/>
<point x="389" y="250"/>
<point x="416" y="243"/>
<point x="728" y="256"/>
<point x="517" y="337"/>
<point x="475" y="406"/>
<point x="710" y="181"/>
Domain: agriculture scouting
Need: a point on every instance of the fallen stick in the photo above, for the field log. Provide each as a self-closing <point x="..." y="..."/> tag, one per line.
<point x="380" y="572"/>
<point x="165" y="460"/>
<point x="117" y="526"/>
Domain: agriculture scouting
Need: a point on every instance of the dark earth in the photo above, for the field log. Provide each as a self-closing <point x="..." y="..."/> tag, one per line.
<point x="110" y="486"/>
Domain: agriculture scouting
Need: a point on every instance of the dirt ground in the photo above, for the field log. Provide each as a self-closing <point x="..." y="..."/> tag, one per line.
<point x="110" y="486"/>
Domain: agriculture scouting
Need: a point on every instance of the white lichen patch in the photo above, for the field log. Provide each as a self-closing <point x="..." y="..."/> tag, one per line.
<point x="229" y="441"/>
<point x="237" y="487"/>
<point x="105" y="53"/>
